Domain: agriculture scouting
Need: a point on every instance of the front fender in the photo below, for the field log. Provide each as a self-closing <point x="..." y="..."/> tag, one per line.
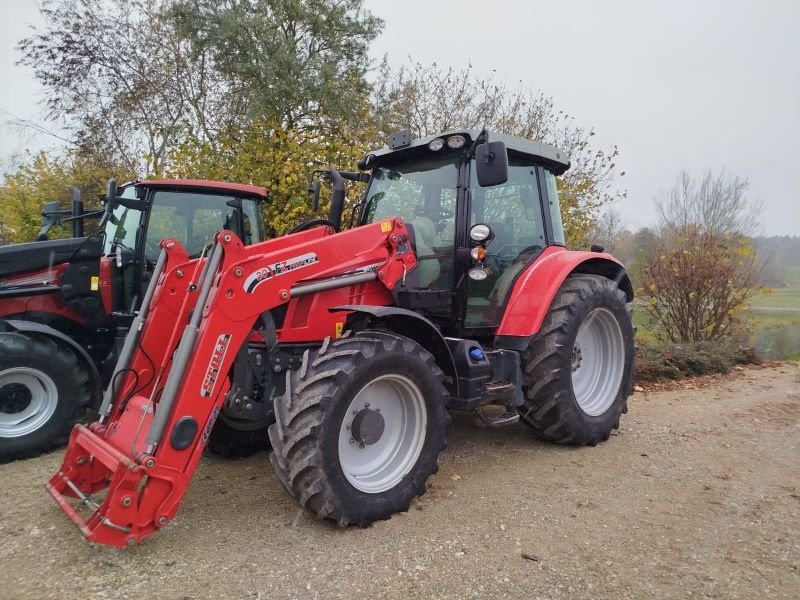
<point x="536" y="288"/>
<point x="413" y="326"/>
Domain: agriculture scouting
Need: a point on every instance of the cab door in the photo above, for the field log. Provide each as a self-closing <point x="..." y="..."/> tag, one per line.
<point x="514" y="212"/>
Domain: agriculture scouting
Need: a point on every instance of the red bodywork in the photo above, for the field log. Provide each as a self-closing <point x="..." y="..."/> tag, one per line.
<point x="145" y="488"/>
<point x="534" y="291"/>
<point x="203" y="184"/>
<point x="51" y="303"/>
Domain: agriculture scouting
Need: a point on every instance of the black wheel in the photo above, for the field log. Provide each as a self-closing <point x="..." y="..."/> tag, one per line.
<point x="360" y="427"/>
<point x="44" y="390"/>
<point x="237" y="438"/>
<point x="578" y="371"/>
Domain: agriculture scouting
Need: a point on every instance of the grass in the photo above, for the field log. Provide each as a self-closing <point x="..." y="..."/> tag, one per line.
<point x="760" y="320"/>
<point x="786" y="297"/>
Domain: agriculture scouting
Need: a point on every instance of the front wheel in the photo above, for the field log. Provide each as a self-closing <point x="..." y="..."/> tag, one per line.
<point x="43" y="391"/>
<point x="578" y="370"/>
<point x="360" y="428"/>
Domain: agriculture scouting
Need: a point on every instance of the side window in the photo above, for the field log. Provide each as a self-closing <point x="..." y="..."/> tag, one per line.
<point x="555" y="208"/>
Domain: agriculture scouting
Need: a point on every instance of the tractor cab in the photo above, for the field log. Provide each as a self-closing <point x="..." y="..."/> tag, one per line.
<point x="140" y="214"/>
<point x="480" y="212"/>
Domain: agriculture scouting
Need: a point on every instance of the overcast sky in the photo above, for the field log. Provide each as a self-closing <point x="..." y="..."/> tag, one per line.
<point x="680" y="84"/>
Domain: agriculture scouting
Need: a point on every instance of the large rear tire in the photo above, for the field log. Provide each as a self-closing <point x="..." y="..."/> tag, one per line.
<point x="578" y="370"/>
<point x="44" y="390"/>
<point x="360" y="428"/>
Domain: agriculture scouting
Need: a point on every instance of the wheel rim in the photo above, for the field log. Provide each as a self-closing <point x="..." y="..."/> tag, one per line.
<point x="598" y="360"/>
<point x="28" y="398"/>
<point x="382" y="433"/>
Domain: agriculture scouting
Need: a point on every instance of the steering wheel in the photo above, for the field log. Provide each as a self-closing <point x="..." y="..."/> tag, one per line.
<point x="311" y="224"/>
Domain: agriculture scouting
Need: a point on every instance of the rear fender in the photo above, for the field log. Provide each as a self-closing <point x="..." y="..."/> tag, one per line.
<point x="411" y="325"/>
<point x="7" y="325"/>
<point x="536" y="288"/>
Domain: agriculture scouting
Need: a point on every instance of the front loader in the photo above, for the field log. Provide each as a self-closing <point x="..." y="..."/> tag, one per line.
<point x="453" y="292"/>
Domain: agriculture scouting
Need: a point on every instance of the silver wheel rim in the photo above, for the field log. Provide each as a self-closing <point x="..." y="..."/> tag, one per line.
<point x="28" y="398"/>
<point x="379" y="464"/>
<point x="598" y="360"/>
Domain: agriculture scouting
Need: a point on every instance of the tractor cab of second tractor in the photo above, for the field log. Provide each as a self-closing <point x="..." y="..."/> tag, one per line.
<point x="140" y="214"/>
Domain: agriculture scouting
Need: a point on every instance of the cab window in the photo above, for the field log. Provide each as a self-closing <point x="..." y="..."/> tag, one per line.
<point x="193" y="219"/>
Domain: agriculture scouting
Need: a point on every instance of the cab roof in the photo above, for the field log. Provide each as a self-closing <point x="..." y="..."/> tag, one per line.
<point x="551" y="156"/>
<point x="238" y="189"/>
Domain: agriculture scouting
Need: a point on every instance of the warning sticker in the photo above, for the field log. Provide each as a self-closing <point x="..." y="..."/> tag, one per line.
<point x="94" y="284"/>
<point x="386" y="226"/>
<point x="339" y="330"/>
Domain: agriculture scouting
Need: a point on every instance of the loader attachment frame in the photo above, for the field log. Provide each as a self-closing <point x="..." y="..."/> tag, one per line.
<point x="165" y="396"/>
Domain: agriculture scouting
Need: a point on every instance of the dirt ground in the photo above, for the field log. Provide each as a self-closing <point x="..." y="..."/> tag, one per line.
<point x="697" y="495"/>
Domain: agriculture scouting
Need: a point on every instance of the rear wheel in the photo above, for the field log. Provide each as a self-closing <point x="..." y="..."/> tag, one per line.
<point x="238" y="438"/>
<point x="578" y="370"/>
<point x="43" y="391"/>
<point x="360" y="428"/>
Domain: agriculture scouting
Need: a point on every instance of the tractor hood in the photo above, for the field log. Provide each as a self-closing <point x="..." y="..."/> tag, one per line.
<point x="35" y="256"/>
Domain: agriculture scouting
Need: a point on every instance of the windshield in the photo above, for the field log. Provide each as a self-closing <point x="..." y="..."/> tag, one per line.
<point x="194" y="218"/>
<point x="423" y="192"/>
<point x="122" y="224"/>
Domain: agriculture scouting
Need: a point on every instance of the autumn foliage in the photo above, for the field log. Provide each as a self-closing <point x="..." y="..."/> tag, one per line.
<point x="697" y="284"/>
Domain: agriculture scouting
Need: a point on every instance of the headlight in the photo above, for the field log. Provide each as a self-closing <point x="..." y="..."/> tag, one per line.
<point x="436" y="144"/>
<point x="478" y="274"/>
<point x="480" y="233"/>
<point x="456" y="141"/>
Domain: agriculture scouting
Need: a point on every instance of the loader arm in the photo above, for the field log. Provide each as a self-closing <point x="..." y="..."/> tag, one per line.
<point x="171" y="380"/>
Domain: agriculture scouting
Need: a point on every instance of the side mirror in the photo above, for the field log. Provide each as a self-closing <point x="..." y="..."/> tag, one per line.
<point x="52" y="216"/>
<point x="491" y="163"/>
<point x="111" y="189"/>
<point x="314" y="191"/>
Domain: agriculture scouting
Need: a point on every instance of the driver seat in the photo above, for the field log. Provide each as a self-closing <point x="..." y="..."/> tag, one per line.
<point x="423" y="232"/>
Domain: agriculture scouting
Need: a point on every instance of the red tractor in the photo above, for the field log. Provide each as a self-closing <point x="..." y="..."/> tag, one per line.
<point x="454" y="291"/>
<point x="66" y="305"/>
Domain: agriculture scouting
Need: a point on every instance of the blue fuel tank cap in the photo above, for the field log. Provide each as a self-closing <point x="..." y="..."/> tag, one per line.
<point x="476" y="354"/>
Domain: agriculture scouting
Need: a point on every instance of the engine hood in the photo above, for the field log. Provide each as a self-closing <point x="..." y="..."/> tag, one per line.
<point x="35" y="256"/>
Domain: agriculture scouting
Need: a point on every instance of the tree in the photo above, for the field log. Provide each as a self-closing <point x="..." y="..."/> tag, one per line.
<point x="44" y="178"/>
<point x="127" y="85"/>
<point x="704" y="268"/>
<point x="430" y="99"/>
<point x="717" y="204"/>
<point x="279" y="159"/>
<point x="299" y="63"/>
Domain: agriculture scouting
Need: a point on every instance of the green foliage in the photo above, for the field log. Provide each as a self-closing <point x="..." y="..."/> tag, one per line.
<point x="295" y="62"/>
<point x="279" y="159"/>
<point x="44" y="179"/>
<point x="656" y="362"/>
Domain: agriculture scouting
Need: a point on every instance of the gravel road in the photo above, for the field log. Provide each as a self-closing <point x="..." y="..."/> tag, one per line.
<point x="698" y="494"/>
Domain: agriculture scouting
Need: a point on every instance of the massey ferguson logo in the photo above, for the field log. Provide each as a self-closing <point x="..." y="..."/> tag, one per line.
<point x="214" y="365"/>
<point x="279" y="268"/>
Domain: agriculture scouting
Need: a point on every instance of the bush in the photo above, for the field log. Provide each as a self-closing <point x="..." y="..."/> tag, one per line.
<point x="676" y="361"/>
